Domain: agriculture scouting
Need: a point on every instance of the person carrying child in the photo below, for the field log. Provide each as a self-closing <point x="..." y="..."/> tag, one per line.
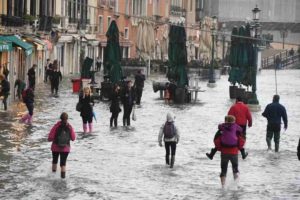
<point x="229" y="142"/>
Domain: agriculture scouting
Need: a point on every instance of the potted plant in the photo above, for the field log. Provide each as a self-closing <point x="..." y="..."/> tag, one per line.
<point x="56" y="19"/>
<point x="28" y="18"/>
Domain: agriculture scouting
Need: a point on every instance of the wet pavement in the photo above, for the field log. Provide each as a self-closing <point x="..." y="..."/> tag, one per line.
<point x="129" y="164"/>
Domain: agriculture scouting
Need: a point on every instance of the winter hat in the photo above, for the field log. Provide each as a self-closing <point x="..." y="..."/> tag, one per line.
<point x="169" y="117"/>
<point x="229" y="119"/>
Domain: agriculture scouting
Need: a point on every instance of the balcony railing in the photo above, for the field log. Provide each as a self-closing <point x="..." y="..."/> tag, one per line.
<point x="12" y="21"/>
<point x="177" y="11"/>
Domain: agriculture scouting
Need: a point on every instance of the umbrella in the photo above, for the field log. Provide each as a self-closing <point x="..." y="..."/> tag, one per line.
<point x="112" y="54"/>
<point x="86" y="67"/>
<point x="177" y="55"/>
<point x="145" y="39"/>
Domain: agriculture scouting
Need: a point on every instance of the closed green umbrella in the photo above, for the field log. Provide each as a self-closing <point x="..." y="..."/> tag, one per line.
<point x="112" y="54"/>
<point x="178" y="55"/>
<point x="234" y="72"/>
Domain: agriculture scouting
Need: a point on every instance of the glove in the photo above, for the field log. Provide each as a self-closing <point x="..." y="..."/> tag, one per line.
<point x="160" y="144"/>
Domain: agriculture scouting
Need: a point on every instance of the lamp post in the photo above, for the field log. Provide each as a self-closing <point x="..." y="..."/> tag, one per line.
<point x="253" y="102"/>
<point x="212" y="81"/>
<point x="283" y="34"/>
<point x="223" y="42"/>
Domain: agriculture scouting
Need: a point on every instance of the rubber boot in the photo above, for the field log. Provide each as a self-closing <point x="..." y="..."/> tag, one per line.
<point x="276" y="147"/>
<point x="84" y="128"/>
<point x="111" y="122"/>
<point x="244" y="154"/>
<point x="25" y="118"/>
<point x="124" y="120"/>
<point x="63" y="174"/>
<point x="54" y="166"/>
<point x="116" y="122"/>
<point x="223" y="180"/>
<point x="269" y="144"/>
<point x="212" y="153"/>
<point x="91" y="127"/>
<point x="30" y="119"/>
<point x="235" y="176"/>
<point x="172" y="161"/>
<point x="167" y="159"/>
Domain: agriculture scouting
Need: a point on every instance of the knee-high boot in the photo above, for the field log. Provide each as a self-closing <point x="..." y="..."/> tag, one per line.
<point x="172" y="161"/>
<point x="223" y="179"/>
<point x="91" y="127"/>
<point x="84" y="128"/>
<point x="212" y="153"/>
<point x="167" y="159"/>
<point x="116" y="122"/>
<point x="111" y="121"/>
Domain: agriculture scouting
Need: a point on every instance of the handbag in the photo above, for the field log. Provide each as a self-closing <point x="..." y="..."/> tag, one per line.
<point x="79" y="106"/>
<point x="133" y="114"/>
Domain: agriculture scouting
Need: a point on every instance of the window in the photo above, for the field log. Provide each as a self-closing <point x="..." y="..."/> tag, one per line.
<point x="156" y="7"/>
<point x="125" y="52"/>
<point x="126" y="33"/>
<point x="108" y="20"/>
<point x="127" y="12"/>
<point x="139" y="7"/>
<point x="100" y="24"/>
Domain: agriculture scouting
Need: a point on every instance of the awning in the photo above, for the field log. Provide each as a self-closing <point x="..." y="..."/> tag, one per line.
<point x="40" y="45"/>
<point x="49" y="44"/>
<point x="65" y="38"/>
<point x="18" y="42"/>
<point x="5" y="45"/>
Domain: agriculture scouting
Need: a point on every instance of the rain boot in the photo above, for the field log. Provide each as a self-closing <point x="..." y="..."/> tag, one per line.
<point x="91" y="127"/>
<point x="30" y="119"/>
<point x="124" y="120"/>
<point x="54" y="166"/>
<point x="269" y="144"/>
<point x="25" y="118"/>
<point x="223" y="179"/>
<point x="212" y="153"/>
<point x="111" y="122"/>
<point x="276" y="147"/>
<point x="235" y="176"/>
<point x="167" y="159"/>
<point x="116" y="122"/>
<point x="84" y="128"/>
<point x="63" y="172"/>
<point x="244" y="154"/>
<point x="172" y="161"/>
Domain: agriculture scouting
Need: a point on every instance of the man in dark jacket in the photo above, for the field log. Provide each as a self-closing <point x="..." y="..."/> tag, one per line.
<point x="31" y="76"/>
<point x="128" y="102"/>
<point x="139" y="85"/>
<point x="5" y="88"/>
<point x="56" y="77"/>
<point x="274" y="112"/>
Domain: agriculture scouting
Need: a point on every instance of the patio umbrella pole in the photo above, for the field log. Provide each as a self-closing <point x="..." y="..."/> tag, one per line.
<point x="275" y="80"/>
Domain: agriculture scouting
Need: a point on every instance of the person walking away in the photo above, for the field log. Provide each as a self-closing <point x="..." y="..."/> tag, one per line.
<point x="229" y="143"/>
<point x="31" y="76"/>
<point x="48" y="70"/>
<point x="21" y="85"/>
<point x="128" y="102"/>
<point x="115" y="106"/>
<point x="98" y="64"/>
<point x="5" y="90"/>
<point x="167" y="93"/>
<point x="139" y="85"/>
<point x="274" y="112"/>
<point x="60" y="135"/>
<point x="28" y="99"/>
<point x="56" y="77"/>
<point x="243" y="118"/>
<point x="170" y="134"/>
<point x="86" y="113"/>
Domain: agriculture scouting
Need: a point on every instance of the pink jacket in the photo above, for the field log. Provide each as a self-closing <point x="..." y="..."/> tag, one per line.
<point x="51" y="137"/>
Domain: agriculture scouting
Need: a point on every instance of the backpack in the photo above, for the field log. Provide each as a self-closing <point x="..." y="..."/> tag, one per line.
<point x="229" y="138"/>
<point x="169" y="130"/>
<point x="63" y="136"/>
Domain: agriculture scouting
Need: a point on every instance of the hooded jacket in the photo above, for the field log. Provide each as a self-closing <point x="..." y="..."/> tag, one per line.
<point x="241" y="113"/>
<point x="161" y="131"/>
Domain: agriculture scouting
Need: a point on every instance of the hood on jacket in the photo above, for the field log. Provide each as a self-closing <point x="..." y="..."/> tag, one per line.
<point x="170" y="117"/>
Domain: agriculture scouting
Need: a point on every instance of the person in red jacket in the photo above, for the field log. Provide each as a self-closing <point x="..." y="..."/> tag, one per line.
<point x="61" y="145"/>
<point x="243" y="118"/>
<point x="229" y="142"/>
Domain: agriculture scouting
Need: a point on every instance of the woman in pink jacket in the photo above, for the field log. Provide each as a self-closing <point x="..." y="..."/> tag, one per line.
<point x="60" y="135"/>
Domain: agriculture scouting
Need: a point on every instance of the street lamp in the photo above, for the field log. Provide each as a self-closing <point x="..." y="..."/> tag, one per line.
<point x="223" y="42"/>
<point x="212" y="81"/>
<point x="255" y="32"/>
<point x="283" y="34"/>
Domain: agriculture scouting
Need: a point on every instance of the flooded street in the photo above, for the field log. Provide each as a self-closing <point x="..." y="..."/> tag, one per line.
<point x="129" y="164"/>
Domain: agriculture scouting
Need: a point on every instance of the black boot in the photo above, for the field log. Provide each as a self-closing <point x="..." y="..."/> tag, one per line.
<point x="116" y="122"/>
<point x="168" y="160"/>
<point x="269" y="143"/>
<point x="172" y="161"/>
<point x="276" y="147"/>
<point x="63" y="174"/>
<point x="111" y="122"/>
<point x="212" y="153"/>
<point x="124" y="120"/>
<point x="244" y="154"/>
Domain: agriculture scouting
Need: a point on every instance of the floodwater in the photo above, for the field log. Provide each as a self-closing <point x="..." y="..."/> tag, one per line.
<point x="129" y="164"/>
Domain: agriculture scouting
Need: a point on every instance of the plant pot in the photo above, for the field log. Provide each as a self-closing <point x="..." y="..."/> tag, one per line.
<point x="232" y="91"/>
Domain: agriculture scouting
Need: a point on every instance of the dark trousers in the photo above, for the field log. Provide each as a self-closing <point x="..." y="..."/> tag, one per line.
<point x="63" y="158"/>
<point x="87" y="119"/>
<point x="172" y="146"/>
<point x="126" y="115"/>
<point x="114" y="118"/>
<point x="98" y="66"/>
<point x="54" y="88"/>
<point x="30" y="108"/>
<point x="32" y="84"/>
<point x="273" y="130"/>
<point x="225" y="158"/>
<point x="5" y="101"/>
<point x="139" y="93"/>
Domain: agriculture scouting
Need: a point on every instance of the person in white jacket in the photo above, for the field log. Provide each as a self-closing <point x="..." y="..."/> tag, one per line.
<point x="170" y="133"/>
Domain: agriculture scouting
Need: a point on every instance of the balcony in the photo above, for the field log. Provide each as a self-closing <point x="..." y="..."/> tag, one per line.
<point x="177" y="11"/>
<point x="12" y="21"/>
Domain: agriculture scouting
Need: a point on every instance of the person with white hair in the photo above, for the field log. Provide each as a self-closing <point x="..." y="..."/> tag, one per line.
<point x="170" y="134"/>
